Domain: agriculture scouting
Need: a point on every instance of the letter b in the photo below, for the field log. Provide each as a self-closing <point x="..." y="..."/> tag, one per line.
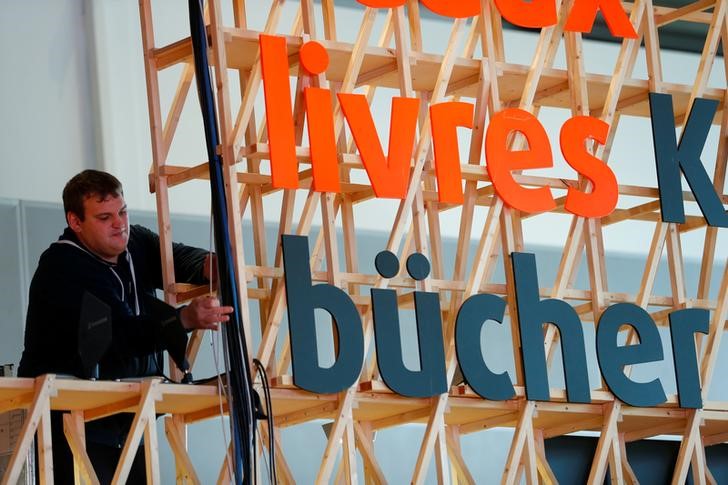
<point x="303" y="299"/>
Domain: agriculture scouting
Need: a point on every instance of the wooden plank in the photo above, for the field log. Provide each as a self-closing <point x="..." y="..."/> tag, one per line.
<point x="73" y="428"/>
<point x="349" y="454"/>
<point x="673" y="426"/>
<point x="344" y="415"/>
<point x="151" y="450"/>
<point x="442" y="462"/>
<point x="616" y="466"/>
<point x="366" y="448"/>
<point x="511" y="78"/>
<point x="629" y="475"/>
<point x="688" y="447"/>
<point x="573" y="426"/>
<point x="158" y="149"/>
<point x="245" y="113"/>
<point x="676" y="266"/>
<point x="319" y="411"/>
<point x="456" y="455"/>
<point x="16" y="402"/>
<point x="606" y="446"/>
<point x="544" y="469"/>
<point x="44" y="389"/>
<point x="175" y="111"/>
<point x="229" y="154"/>
<point x="45" y="447"/>
<point x="519" y="443"/>
<point x="143" y="419"/>
<point x="715" y="439"/>
<point x="492" y="422"/>
<point x="176" y="442"/>
<point x="682" y="12"/>
<point x="711" y="234"/>
<point x="715" y="335"/>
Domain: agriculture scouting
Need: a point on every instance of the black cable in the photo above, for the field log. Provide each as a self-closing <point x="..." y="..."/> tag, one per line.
<point x="240" y="390"/>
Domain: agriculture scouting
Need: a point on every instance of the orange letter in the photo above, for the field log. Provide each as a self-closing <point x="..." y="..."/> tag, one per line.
<point x="382" y="3"/>
<point x="319" y="111"/>
<point x="458" y="10"/>
<point x="389" y="176"/>
<point x="583" y="13"/>
<point x="446" y="117"/>
<point x="501" y="161"/>
<point x="534" y="14"/>
<point x="603" y="198"/>
<point x="279" y="112"/>
<point x="448" y="8"/>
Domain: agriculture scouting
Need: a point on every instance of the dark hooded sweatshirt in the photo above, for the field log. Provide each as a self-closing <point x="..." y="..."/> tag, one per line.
<point x="65" y="271"/>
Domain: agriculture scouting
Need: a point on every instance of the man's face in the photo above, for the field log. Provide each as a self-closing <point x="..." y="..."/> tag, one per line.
<point x="105" y="227"/>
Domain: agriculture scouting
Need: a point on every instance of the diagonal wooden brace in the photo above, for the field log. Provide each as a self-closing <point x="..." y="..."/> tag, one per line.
<point x="39" y="411"/>
<point x="519" y="443"/>
<point x="144" y="420"/>
<point x="73" y="428"/>
<point x="344" y="417"/>
<point x="176" y="440"/>
<point x="608" y="447"/>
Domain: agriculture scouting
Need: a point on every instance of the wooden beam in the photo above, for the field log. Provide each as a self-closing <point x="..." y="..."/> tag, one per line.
<point x="366" y="448"/>
<point x="74" y="429"/>
<point x="175" y="438"/>
<point x="39" y="412"/>
<point x="143" y="420"/>
<point x="682" y="12"/>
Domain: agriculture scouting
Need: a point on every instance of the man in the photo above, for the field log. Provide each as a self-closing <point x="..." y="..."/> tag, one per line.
<point x="119" y="264"/>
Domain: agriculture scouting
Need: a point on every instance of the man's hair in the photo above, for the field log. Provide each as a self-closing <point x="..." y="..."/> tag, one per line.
<point x="89" y="183"/>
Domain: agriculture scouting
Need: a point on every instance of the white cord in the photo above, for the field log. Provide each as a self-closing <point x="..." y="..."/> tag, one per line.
<point x="213" y="337"/>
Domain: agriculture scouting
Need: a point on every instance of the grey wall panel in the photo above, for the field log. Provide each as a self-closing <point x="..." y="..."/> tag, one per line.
<point x="11" y="297"/>
<point x="42" y="224"/>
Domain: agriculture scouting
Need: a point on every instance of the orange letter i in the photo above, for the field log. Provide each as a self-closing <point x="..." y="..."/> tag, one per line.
<point x="320" y="121"/>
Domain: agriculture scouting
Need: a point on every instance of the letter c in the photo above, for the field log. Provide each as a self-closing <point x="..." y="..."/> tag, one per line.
<point x="447" y="8"/>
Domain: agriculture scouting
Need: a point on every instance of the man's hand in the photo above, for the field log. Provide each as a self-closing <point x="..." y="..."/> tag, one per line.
<point x="204" y="312"/>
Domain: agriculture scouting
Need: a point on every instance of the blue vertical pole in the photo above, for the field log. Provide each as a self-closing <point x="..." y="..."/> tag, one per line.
<point x="239" y="385"/>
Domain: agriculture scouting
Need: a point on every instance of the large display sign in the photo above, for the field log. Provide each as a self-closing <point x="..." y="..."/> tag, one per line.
<point x="389" y="176"/>
<point x="360" y="115"/>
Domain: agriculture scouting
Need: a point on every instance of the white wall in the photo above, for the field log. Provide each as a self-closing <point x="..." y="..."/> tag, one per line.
<point x="46" y="107"/>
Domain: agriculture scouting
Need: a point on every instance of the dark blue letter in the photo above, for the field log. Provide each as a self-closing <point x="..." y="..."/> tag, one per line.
<point x="612" y="358"/>
<point x="303" y="298"/>
<point x="671" y="158"/>
<point x="532" y="314"/>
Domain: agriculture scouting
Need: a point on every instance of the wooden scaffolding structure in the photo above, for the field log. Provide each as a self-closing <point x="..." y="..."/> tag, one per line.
<point x="458" y="72"/>
<point x="470" y="66"/>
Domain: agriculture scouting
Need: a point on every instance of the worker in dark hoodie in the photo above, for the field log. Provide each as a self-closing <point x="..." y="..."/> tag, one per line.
<point x="100" y="253"/>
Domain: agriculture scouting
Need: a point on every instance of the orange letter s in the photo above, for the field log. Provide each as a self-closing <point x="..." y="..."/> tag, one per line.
<point x="603" y="198"/>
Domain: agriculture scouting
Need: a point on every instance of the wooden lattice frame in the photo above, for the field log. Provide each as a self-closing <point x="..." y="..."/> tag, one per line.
<point x="442" y="76"/>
